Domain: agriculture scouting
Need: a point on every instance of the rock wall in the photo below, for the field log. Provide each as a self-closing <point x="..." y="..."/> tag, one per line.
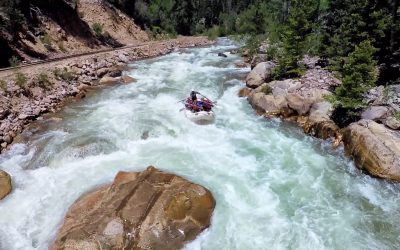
<point x="301" y="100"/>
<point x="147" y="210"/>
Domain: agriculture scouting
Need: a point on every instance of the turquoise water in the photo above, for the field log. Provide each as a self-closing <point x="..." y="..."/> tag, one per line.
<point x="275" y="187"/>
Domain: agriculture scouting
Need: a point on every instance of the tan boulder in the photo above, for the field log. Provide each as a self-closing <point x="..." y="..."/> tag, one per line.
<point x="5" y="184"/>
<point x="108" y="80"/>
<point x="146" y="210"/>
<point x="392" y="123"/>
<point x="260" y="74"/>
<point x="127" y="79"/>
<point x="374" y="148"/>
<point x="319" y="124"/>
<point x="298" y="103"/>
<point x="321" y="111"/>
<point x="263" y="103"/>
<point x="244" y="92"/>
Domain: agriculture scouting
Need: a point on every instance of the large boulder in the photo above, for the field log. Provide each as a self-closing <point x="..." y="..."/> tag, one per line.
<point x="298" y="103"/>
<point x="259" y="58"/>
<point x="269" y="104"/>
<point x="392" y="123"/>
<point x="375" y="113"/>
<point x="260" y="74"/>
<point x="319" y="124"/>
<point x="146" y="210"/>
<point x="374" y="148"/>
<point x="5" y="184"/>
<point x="321" y="111"/>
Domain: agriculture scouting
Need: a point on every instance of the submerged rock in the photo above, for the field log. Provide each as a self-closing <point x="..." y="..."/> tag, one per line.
<point x="108" y="80"/>
<point x="127" y="79"/>
<point x="5" y="184"/>
<point x="222" y="54"/>
<point x="146" y="210"/>
<point x="374" y="148"/>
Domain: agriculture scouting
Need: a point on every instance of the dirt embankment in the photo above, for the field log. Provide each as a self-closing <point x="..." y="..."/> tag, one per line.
<point x="28" y="93"/>
<point x="66" y="27"/>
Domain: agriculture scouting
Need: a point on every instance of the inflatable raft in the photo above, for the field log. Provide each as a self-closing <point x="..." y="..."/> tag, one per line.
<point x="201" y="117"/>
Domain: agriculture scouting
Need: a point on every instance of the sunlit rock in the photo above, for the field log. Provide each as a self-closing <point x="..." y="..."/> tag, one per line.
<point x="146" y="210"/>
<point x="108" y="80"/>
<point x="127" y="79"/>
<point x="374" y="148"/>
<point x="5" y="184"/>
<point x="260" y="74"/>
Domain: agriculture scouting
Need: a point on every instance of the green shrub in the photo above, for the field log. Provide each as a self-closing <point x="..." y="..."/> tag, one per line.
<point x="358" y="77"/>
<point x="266" y="89"/>
<point x="252" y="44"/>
<point x="60" y="45"/>
<point x="3" y="85"/>
<point x="64" y="74"/>
<point x="46" y="40"/>
<point x="98" y="29"/>
<point x="397" y="115"/>
<point x="20" y="80"/>
<point x="273" y="52"/>
<point x="213" y="33"/>
<point x="43" y="80"/>
<point x="14" y="61"/>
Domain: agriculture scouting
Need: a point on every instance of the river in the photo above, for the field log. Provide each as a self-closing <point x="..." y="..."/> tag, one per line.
<point x="275" y="188"/>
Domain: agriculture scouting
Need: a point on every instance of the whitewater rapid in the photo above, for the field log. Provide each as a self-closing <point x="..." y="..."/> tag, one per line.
<point x="275" y="188"/>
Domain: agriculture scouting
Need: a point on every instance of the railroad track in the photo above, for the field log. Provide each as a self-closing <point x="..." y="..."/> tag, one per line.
<point x="74" y="56"/>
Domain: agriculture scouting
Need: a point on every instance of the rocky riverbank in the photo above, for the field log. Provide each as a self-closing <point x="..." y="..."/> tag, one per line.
<point x="373" y="142"/>
<point x="27" y="94"/>
<point x="150" y="209"/>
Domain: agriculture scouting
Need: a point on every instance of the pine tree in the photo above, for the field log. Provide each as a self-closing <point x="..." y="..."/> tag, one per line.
<point x="358" y="76"/>
<point x="299" y="26"/>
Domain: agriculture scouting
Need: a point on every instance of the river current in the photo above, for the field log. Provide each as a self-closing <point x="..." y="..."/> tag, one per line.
<point x="275" y="188"/>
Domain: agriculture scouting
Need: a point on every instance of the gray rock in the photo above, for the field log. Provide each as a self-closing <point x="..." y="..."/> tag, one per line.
<point x="222" y="54"/>
<point x="392" y="123"/>
<point x="101" y="72"/>
<point x="298" y="103"/>
<point x="259" y="58"/>
<point x="375" y="113"/>
<point x="321" y="111"/>
<point x="260" y="74"/>
<point x="123" y="58"/>
<point x="23" y="116"/>
<point x="4" y="113"/>
<point x="8" y="139"/>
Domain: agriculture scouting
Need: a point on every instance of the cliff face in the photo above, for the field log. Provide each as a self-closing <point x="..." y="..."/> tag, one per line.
<point x="51" y="29"/>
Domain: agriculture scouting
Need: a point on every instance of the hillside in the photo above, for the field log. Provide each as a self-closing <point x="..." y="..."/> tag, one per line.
<point x="62" y="27"/>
